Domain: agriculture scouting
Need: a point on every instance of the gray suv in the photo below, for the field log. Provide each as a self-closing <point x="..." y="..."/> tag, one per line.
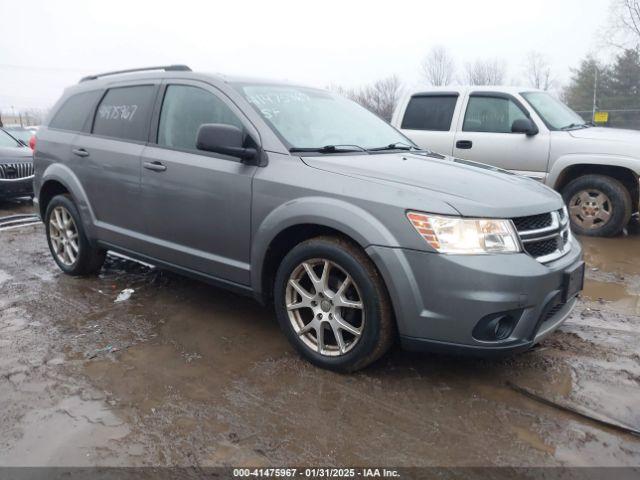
<point x="303" y="199"/>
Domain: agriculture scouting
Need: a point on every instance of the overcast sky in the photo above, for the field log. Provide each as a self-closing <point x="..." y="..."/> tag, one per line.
<point x="47" y="45"/>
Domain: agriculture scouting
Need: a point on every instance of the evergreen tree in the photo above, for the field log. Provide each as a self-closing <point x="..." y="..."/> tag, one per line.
<point x="579" y="93"/>
<point x="625" y="80"/>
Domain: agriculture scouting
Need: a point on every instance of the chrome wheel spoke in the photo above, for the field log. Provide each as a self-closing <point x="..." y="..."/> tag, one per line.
<point x="317" y="294"/>
<point x="63" y="235"/>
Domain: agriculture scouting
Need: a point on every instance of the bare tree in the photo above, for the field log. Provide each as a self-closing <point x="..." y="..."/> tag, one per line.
<point x="624" y="24"/>
<point x="438" y="67"/>
<point x="538" y="71"/>
<point x="381" y="97"/>
<point x="485" y="72"/>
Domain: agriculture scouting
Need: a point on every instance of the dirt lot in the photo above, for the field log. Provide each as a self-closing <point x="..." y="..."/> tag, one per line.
<point x="182" y="373"/>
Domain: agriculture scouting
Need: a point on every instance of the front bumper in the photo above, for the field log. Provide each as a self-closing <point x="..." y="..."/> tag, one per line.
<point x="439" y="300"/>
<point x="19" y="187"/>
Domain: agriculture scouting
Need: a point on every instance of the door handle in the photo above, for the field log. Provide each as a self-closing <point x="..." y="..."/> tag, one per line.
<point x="464" y="144"/>
<point x="80" y="152"/>
<point x="154" y="166"/>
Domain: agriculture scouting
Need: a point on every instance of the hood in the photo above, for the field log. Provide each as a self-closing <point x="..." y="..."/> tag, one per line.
<point x="607" y="134"/>
<point x="13" y="154"/>
<point x="473" y="189"/>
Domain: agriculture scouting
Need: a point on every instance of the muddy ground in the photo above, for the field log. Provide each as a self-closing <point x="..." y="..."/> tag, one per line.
<point x="183" y="373"/>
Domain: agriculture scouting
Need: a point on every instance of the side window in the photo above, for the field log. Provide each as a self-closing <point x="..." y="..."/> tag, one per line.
<point x="124" y="113"/>
<point x="184" y="109"/>
<point x="433" y="112"/>
<point x="74" y="113"/>
<point x="491" y="114"/>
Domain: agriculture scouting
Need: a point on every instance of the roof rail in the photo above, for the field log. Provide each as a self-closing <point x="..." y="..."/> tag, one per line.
<point x="166" y="68"/>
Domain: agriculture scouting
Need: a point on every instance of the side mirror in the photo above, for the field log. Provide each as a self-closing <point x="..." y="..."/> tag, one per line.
<point x="224" y="139"/>
<point x="524" y="125"/>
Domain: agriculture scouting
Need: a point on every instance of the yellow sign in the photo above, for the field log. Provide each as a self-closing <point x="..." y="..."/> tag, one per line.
<point x="601" y="117"/>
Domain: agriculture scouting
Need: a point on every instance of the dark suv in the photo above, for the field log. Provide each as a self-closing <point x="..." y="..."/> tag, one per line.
<point x="304" y="199"/>
<point x="16" y="167"/>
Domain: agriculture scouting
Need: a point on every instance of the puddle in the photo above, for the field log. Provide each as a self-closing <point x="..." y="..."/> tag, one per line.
<point x="618" y="296"/>
<point x="619" y="255"/>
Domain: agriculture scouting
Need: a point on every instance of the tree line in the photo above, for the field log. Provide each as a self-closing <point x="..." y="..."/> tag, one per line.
<point x="616" y="83"/>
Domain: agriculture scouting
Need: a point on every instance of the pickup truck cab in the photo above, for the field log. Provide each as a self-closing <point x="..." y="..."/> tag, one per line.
<point x="529" y="132"/>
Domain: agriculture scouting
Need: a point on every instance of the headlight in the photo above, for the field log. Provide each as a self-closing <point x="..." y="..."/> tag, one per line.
<point x="465" y="235"/>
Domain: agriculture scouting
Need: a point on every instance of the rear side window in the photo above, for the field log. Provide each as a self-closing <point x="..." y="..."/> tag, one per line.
<point x="430" y="113"/>
<point x="491" y="114"/>
<point x="184" y="109"/>
<point x="124" y="113"/>
<point x="75" y="112"/>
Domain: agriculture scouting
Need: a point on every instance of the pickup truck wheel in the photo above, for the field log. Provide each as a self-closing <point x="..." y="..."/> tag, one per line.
<point x="67" y="241"/>
<point x="332" y="304"/>
<point x="599" y="206"/>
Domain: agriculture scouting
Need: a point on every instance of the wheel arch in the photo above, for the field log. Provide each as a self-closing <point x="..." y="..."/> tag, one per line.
<point x="57" y="179"/>
<point x="292" y="223"/>
<point x="622" y="169"/>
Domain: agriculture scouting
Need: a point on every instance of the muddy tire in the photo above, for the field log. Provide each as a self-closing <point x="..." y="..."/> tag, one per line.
<point x="332" y="304"/>
<point x="599" y="206"/>
<point x="67" y="240"/>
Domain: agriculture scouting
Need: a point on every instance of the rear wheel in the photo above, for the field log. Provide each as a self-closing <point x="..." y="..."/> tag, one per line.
<point x="598" y="205"/>
<point x="67" y="241"/>
<point x="332" y="304"/>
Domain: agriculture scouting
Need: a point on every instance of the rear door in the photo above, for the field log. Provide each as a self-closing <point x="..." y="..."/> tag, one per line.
<point x="197" y="204"/>
<point x="428" y="120"/>
<point x="484" y="135"/>
<point x="110" y="159"/>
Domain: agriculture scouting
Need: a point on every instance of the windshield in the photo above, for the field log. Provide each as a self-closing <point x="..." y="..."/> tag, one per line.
<point x="7" y="140"/>
<point x="307" y="118"/>
<point x="555" y="114"/>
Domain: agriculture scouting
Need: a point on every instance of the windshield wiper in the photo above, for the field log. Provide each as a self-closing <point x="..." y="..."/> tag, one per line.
<point x="395" y="146"/>
<point x="575" y="126"/>
<point x="330" y="149"/>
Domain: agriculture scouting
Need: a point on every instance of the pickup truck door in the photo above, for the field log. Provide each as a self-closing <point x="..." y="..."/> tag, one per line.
<point x="484" y="135"/>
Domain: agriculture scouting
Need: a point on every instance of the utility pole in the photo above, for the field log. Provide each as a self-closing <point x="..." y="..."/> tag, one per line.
<point x="595" y="95"/>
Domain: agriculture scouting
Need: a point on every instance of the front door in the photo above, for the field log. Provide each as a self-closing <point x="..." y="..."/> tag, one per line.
<point x="485" y="136"/>
<point x="197" y="204"/>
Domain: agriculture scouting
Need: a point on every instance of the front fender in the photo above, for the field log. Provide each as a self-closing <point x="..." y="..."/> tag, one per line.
<point x="566" y="161"/>
<point x="62" y="174"/>
<point x="339" y="215"/>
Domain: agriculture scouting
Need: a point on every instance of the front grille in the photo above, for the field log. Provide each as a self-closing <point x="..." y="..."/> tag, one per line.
<point x="534" y="222"/>
<point x="546" y="236"/>
<point x="14" y="171"/>
<point x="541" y="248"/>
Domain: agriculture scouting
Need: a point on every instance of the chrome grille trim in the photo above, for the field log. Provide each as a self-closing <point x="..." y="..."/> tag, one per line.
<point x="559" y="231"/>
<point x="16" y="171"/>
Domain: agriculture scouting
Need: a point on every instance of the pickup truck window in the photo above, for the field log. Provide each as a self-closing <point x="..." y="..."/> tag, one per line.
<point x="554" y="113"/>
<point x="491" y="114"/>
<point x="430" y="112"/>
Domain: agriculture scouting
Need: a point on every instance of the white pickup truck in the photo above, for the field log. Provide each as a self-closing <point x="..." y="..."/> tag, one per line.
<point x="529" y="132"/>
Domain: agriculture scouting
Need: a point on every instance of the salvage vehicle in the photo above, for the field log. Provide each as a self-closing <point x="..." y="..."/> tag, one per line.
<point x="307" y="201"/>
<point x="16" y="167"/>
<point x="529" y="132"/>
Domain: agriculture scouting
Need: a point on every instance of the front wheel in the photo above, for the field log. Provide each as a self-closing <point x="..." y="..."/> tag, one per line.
<point x="67" y="241"/>
<point x="332" y="304"/>
<point x="599" y="206"/>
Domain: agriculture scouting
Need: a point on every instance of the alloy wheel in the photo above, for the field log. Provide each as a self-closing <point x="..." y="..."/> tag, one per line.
<point x="325" y="307"/>
<point x="590" y="209"/>
<point x="63" y="233"/>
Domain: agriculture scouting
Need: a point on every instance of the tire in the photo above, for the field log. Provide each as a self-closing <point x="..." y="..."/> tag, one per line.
<point x="590" y="198"/>
<point x="76" y="258"/>
<point x="373" y="320"/>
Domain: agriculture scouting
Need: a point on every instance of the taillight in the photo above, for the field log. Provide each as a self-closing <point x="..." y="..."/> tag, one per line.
<point x="32" y="142"/>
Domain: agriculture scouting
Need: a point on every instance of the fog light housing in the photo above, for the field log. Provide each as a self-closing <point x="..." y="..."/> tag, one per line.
<point x="496" y="327"/>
